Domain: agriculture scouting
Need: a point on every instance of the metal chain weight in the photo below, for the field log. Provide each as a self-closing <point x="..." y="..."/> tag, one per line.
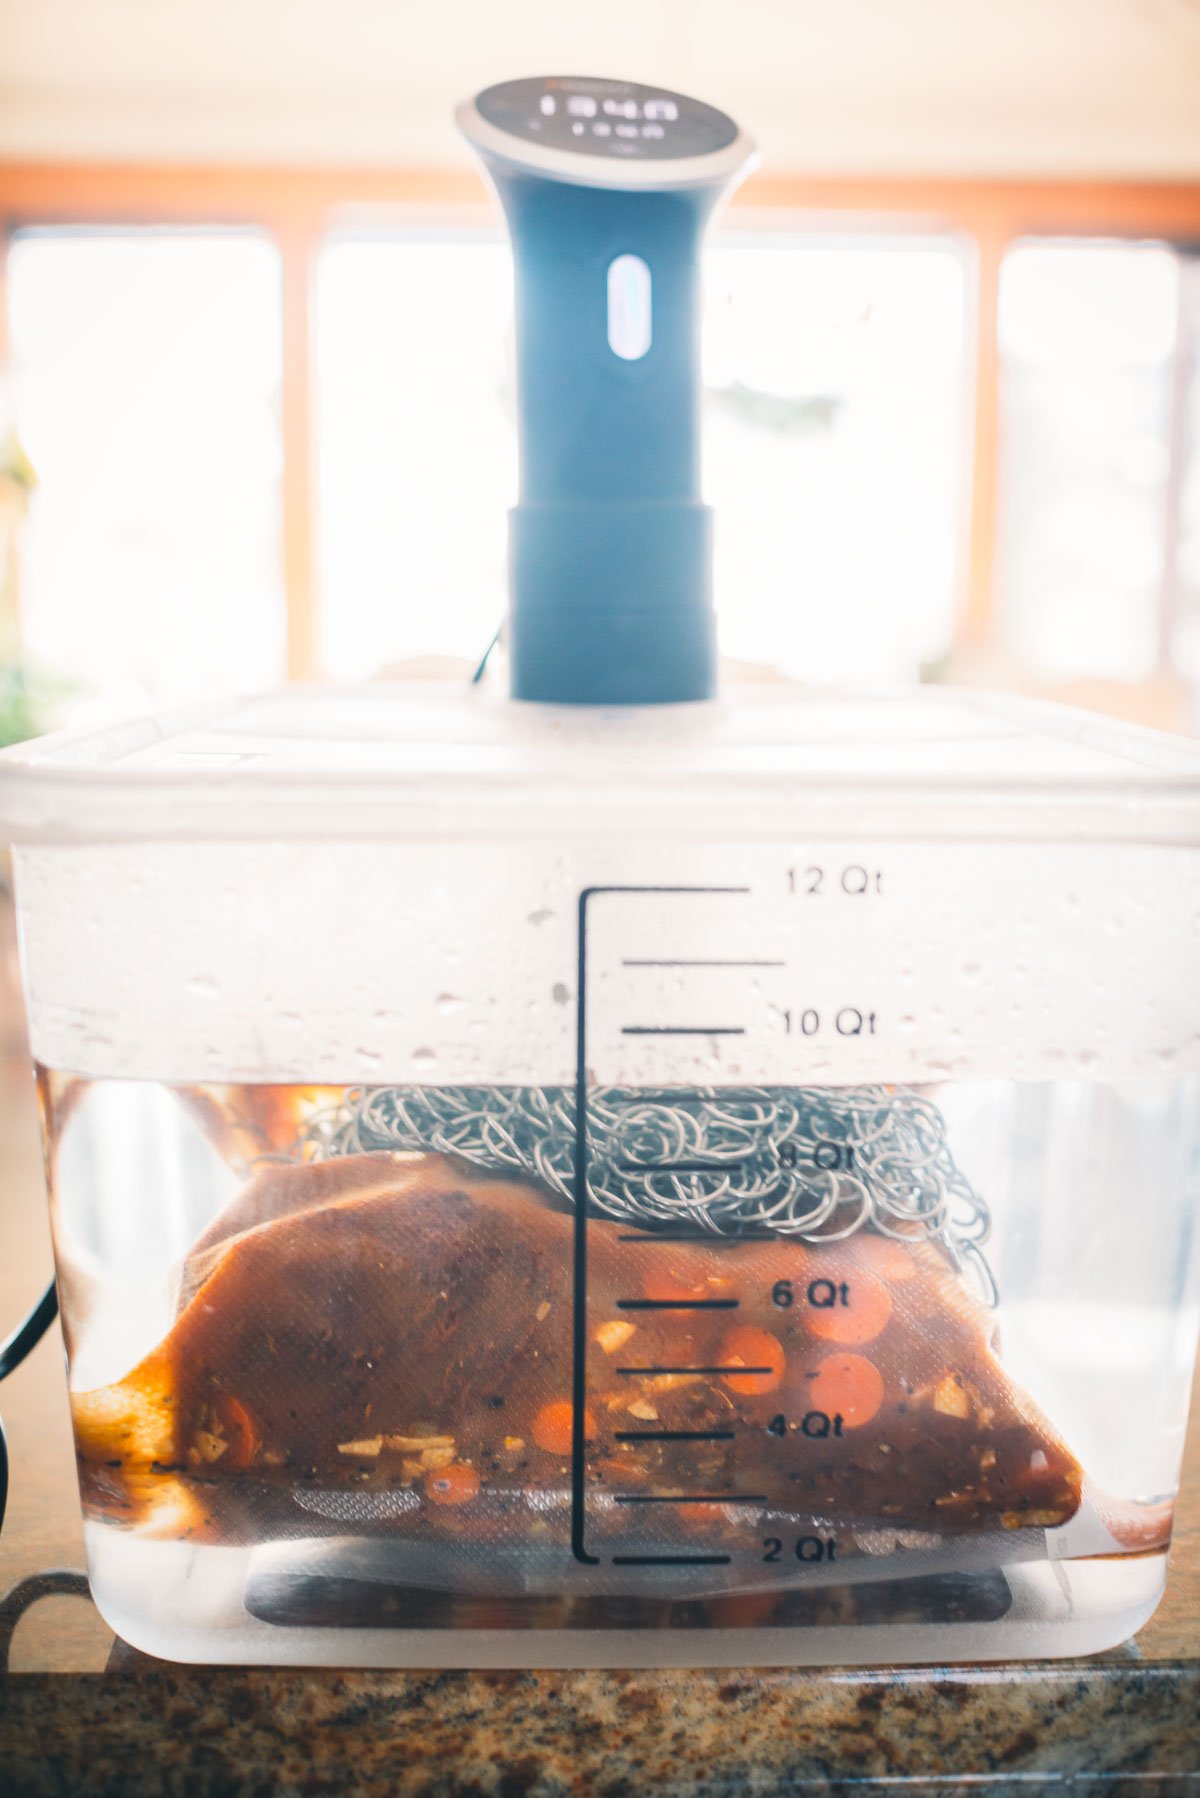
<point x="818" y="1163"/>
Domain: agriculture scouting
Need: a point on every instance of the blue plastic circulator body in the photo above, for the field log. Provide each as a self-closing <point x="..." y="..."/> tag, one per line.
<point x="607" y="188"/>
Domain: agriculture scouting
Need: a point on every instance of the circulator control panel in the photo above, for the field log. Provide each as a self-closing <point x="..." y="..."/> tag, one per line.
<point x="618" y="119"/>
<point x="591" y="132"/>
<point x="607" y="187"/>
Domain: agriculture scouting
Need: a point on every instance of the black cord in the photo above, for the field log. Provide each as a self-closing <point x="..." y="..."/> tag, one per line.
<point x="13" y="1351"/>
<point x="27" y="1335"/>
<point x="481" y="669"/>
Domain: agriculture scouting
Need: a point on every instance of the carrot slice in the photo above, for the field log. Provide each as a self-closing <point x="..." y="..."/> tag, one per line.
<point x="553" y="1427"/>
<point x="457" y="1484"/>
<point x="847" y="1385"/>
<point x="865" y="1313"/>
<point x="240" y="1431"/>
<point x="750" y="1347"/>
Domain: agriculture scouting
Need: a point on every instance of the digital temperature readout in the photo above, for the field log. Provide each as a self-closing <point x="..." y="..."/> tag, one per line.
<point x="606" y="118"/>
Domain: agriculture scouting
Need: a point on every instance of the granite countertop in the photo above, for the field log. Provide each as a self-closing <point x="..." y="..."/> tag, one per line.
<point x="1116" y="1726"/>
<point x="80" y="1714"/>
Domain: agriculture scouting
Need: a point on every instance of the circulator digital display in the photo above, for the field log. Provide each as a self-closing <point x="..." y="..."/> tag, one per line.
<point x="620" y="119"/>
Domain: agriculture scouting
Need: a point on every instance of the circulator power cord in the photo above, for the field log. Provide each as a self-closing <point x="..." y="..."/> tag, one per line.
<point x="13" y="1351"/>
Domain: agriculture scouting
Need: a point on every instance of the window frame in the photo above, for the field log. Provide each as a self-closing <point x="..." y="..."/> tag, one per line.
<point x="299" y="208"/>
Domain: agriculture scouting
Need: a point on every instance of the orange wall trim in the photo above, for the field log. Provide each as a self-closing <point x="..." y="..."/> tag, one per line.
<point x="33" y="192"/>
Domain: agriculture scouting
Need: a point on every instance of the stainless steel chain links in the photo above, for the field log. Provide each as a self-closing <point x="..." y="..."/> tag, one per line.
<point x="818" y="1163"/>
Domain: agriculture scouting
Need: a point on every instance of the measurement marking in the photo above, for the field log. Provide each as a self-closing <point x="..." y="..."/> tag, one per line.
<point x="704" y="964"/>
<point x="678" y="1304"/>
<point x="683" y="1030"/>
<point x="671" y="1560"/>
<point x="579" y="1287"/>
<point x="658" y="1370"/>
<point x="678" y="1167"/>
<point x="673" y="1436"/>
<point x="690" y="1498"/>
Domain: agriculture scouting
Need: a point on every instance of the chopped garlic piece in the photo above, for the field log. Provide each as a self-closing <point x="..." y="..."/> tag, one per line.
<point x="370" y="1445"/>
<point x="613" y="1335"/>
<point x="950" y="1398"/>
<point x="543" y="1311"/>
<point x="210" y="1447"/>
<point x="433" y="1458"/>
<point x="514" y="1444"/>
<point x="639" y="1408"/>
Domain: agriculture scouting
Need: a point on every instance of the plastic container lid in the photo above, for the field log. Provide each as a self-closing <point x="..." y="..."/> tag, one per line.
<point x="428" y="758"/>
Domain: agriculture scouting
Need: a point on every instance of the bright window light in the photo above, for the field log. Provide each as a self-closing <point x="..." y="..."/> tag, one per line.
<point x="834" y="451"/>
<point x="1087" y="337"/>
<point x="417" y="447"/>
<point x="1184" y="610"/>
<point x="146" y="370"/>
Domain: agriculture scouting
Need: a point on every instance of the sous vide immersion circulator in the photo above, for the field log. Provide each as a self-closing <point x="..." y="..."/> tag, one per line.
<point x="621" y="1174"/>
<point x="608" y="188"/>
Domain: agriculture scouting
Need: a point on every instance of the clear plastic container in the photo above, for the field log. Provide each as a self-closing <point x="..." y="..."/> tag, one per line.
<point x="541" y="1186"/>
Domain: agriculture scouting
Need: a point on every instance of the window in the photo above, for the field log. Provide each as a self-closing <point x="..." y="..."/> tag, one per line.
<point x="417" y="447"/>
<point x="146" y="371"/>
<point x="1087" y="345"/>
<point x="835" y="439"/>
<point x="952" y="429"/>
<point x="1182" y="598"/>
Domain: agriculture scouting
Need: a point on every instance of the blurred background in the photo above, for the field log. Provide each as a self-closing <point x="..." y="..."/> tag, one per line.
<point x="255" y="386"/>
<point x="255" y="339"/>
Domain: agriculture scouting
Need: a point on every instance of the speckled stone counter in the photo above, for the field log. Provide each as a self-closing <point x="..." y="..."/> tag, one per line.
<point x="1111" y="1726"/>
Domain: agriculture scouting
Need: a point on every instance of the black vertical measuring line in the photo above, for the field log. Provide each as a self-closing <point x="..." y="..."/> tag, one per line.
<point x="580" y="1189"/>
<point x="579" y="1321"/>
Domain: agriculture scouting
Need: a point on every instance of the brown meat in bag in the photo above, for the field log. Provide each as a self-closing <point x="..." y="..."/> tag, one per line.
<point x="384" y="1344"/>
